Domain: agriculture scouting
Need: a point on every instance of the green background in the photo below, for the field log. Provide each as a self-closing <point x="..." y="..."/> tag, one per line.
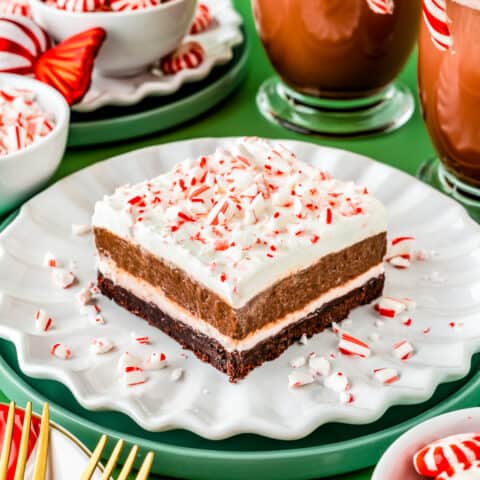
<point x="238" y="115"/>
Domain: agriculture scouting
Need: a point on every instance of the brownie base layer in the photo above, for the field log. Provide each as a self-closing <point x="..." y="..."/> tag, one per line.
<point x="238" y="364"/>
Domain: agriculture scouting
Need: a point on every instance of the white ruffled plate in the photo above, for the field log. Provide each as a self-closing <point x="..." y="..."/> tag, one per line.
<point x="218" y="42"/>
<point x="446" y="288"/>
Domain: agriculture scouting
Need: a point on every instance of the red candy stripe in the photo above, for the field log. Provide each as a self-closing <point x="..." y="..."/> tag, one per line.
<point x="15" y="7"/>
<point x="350" y="345"/>
<point x="189" y="55"/>
<point x="383" y="7"/>
<point x="435" y="17"/>
<point x="203" y="20"/>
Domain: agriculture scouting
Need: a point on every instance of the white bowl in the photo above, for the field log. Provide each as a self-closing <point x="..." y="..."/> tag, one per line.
<point x="135" y="39"/>
<point x="26" y="171"/>
<point x="396" y="462"/>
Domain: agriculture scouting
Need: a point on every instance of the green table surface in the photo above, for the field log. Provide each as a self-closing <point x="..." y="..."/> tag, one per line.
<point x="238" y="115"/>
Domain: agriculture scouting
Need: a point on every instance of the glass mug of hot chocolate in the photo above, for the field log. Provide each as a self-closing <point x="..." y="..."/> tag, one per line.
<point x="449" y="86"/>
<point x="337" y="60"/>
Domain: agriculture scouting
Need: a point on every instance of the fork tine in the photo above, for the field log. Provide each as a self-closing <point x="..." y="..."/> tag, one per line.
<point x="7" y="440"/>
<point x="23" y="450"/>
<point x="40" y="469"/>
<point x="146" y="467"/>
<point x="112" y="461"/>
<point x="128" y="465"/>
<point x="92" y="464"/>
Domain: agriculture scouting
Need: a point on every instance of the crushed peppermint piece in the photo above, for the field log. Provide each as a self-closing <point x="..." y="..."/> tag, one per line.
<point x="127" y="359"/>
<point x="176" y="374"/>
<point x="386" y="375"/>
<point x="100" y="346"/>
<point x="389" y="307"/>
<point x="319" y="366"/>
<point x="303" y="339"/>
<point x="335" y="328"/>
<point x="426" y="330"/>
<point x="133" y="375"/>
<point x="50" y="260"/>
<point x="43" y="321"/>
<point x="298" y="362"/>
<point x="298" y="379"/>
<point x="61" y="351"/>
<point x="403" y="350"/>
<point x="346" y="398"/>
<point x="350" y="345"/>
<point x="400" y="247"/>
<point x="156" y="361"/>
<point x="338" y="382"/>
<point x="79" y="229"/>
<point x="63" y="278"/>
<point x="140" y="339"/>
<point x="407" y="321"/>
<point x="84" y="297"/>
<point x="399" y="262"/>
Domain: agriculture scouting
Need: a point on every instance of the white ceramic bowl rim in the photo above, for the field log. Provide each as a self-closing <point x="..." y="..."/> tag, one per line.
<point x="60" y="119"/>
<point x="142" y="11"/>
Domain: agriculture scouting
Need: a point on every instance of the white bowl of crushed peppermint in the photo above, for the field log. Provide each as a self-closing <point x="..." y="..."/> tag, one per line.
<point x="33" y="135"/>
<point x="446" y="447"/>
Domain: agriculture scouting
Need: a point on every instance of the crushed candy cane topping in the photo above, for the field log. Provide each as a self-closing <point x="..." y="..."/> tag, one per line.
<point x="22" y="120"/>
<point x="99" y="346"/>
<point x="234" y="217"/>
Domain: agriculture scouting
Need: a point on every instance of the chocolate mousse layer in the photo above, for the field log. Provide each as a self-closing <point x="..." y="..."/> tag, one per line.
<point x="286" y="296"/>
<point x="238" y="364"/>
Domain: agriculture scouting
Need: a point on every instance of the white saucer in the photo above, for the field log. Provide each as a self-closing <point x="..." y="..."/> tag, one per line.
<point x="446" y="288"/>
<point x="218" y="42"/>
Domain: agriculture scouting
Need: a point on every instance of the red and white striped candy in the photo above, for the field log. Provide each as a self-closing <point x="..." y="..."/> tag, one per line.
<point x="403" y="350"/>
<point x="338" y="382"/>
<point x="386" y="375"/>
<point x="17" y="138"/>
<point x="400" y="247"/>
<point x="203" y="19"/>
<point x="346" y="398"/>
<point x="22" y="42"/>
<point x="63" y="278"/>
<point x="84" y="297"/>
<point x="445" y="454"/>
<point x="399" y="262"/>
<point x="61" y="351"/>
<point x="43" y="321"/>
<point x="389" y="307"/>
<point x="80" y="5"/>
<point x="188" y="55"/>
<point x="383" y="7"/>
<point x="133" y="375"/>
<point x="99" y="346"/>
<point x="49" y="260"/>
<point x="298" y="379"/>
<point x="125" y="5"/>
<point x="15" y="7"/>
<point x="350" y="345"/>
<point x="436" y="20"/>
<point x="156" y="361"/>
<point x="127" y="360"/>
<point x="461" y="472"/>
<point x="141" y="339"/>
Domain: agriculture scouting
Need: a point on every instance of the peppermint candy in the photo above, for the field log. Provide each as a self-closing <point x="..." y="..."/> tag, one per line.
<point x="61" y="350"/>
<point x="203" y="19"/>
<point x="338" y="382"/>
<point x="156" y="361"/>
<point x="386" y="375"/>
<point x="346" y="398"/>
<point x="390" y="307"/>
<point x="140" y="339"/>
<point x="319" y="366"/>
<point x="133" y="375"/>
<point x="15" y="7"/>
<point x="403" y="350"/>
<point x="462" y="472"/>
<point x="400" y="247"/>
<point x="298" y="362"/>
<point x="43" y="321"/>
<point x="84" y="297"/>
<point x="127" y="360"/>
<point x="22" y="42"/>
<point x="436" y="20"/>
<point x="448" y="455"/>
<point x="299" y="379"/>
<point x="383" y="7"/>
<point x="63" y="278"/>
<point x="80" y="5"/>
<point x="350" y="345"/>
<point x="125" y="5"/>
<point x="188" y="55"/>
<point x="99" y="346"/>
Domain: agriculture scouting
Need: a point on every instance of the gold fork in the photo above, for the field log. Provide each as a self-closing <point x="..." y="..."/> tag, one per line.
<point x="40" y="468"/>
<point x="113" y="460"/>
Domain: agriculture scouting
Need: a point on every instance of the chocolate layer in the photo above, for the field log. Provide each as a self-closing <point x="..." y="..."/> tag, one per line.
<point x="238" y="364"/>
<point x="288" y="295"/>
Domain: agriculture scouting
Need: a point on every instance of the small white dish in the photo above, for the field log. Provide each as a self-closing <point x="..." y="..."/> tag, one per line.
<point x="445" y="288"/>
<point x="397" y="462"/>
<point x="217" y="41"/>
<point x="135" y="38"/>
<point x="26" y="171"/>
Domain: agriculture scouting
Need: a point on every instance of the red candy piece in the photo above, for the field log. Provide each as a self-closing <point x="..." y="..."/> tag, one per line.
<point x="15" y="7"/>
<point x="188" y="55"/>
<point x="448" y="454"/>
<point x="435" y="17"/>
<point x="383" y="7"/>
<point x="203" y="19"/>
<point x="24" y="41"/>
<point x="350" y="345"/>
<point x="68" y="66"/>
<point x="80" y="5"/>
<point x="460" y="472"/>
<point x="124" y="5"/>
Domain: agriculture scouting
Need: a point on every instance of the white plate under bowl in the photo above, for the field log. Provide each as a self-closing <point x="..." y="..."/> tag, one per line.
<point x="397" y="462"/>
<point x="446" y="288"/>
<point x="218" y="42"/>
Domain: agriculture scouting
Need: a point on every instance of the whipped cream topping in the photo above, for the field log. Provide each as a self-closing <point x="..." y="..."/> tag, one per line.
<point x="22" y="120"/>
<point x="242" y="218"/>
